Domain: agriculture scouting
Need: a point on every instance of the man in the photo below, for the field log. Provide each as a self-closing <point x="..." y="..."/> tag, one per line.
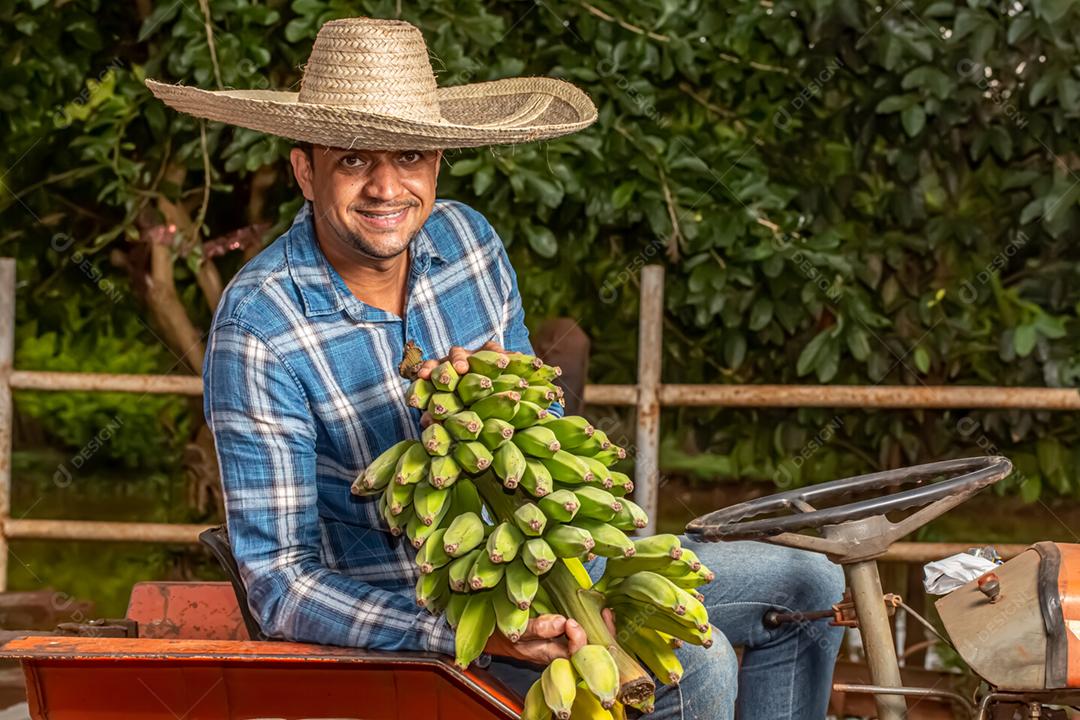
<point x="302" y="387"/>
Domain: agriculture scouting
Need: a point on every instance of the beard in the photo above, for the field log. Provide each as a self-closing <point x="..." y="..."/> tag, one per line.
<point x="357" y="242"/>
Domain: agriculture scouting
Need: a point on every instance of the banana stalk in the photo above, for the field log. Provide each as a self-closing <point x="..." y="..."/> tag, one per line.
<point x="585" y="607"/>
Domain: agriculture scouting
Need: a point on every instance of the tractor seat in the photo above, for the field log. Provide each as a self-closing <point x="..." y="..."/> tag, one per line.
<point x="217" y="540"/>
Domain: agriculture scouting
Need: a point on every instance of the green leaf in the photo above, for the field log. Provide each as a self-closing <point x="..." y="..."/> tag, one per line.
<point x="734" y="350"/>
<point x="913" y="119"/>
<point x="895" y="103"/>
<point x="761" y="313"/>
<point x="922" y="359"/>
<point x="541" y="240"/>
<point x="808" y="358"/>
<point x="623" y="194"/>
<point x="1030" y="488"/>
<point x="1024" y="339"/>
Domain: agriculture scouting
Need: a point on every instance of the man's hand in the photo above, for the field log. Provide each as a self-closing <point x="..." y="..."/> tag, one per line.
<point x="459" y="357"/>
<point x="546" y="638"/>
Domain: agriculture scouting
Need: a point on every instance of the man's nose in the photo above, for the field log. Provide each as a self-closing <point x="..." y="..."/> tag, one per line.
<point x="383" y="182"/>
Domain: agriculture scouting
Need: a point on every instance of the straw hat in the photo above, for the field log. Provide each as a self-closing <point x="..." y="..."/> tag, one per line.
<point x="368" y="84"/>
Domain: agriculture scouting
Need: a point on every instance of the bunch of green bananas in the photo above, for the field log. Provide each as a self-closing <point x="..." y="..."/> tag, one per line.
<point x="503" y="501"/>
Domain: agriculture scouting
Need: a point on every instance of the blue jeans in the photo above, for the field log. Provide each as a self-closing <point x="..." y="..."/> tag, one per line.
<point x="786" y="673"/>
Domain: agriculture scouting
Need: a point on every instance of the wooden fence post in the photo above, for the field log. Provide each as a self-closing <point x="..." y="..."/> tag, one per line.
<point x="650" y="354"/>
<point x="7" y="411"/>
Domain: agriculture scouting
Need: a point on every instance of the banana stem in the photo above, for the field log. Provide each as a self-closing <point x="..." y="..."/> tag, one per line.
<point x="586" y="606"/>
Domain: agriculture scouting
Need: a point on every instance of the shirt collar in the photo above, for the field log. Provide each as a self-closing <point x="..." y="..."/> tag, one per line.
<point x="323" y="290"/>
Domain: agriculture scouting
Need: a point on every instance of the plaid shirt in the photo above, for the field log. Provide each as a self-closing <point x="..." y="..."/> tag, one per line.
<point x="302" y="392"/>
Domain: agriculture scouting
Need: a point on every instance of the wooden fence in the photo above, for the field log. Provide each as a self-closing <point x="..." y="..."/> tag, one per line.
<point x="648" y="396"/>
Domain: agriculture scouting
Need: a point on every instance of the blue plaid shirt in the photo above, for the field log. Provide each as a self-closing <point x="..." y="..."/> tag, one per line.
<point x="302" y="391"/>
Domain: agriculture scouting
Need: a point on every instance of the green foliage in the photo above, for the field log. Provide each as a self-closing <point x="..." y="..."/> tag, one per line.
<point x="841" y="192"/>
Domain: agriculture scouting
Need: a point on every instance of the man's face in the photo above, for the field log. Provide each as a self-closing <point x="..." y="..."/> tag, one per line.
<point x="372" y="201"/>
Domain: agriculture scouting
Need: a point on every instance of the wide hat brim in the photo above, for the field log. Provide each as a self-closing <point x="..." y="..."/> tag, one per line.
<point x="500" y="112"/>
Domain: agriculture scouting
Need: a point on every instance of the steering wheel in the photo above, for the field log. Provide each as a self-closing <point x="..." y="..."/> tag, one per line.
<point x="857" y="530"/>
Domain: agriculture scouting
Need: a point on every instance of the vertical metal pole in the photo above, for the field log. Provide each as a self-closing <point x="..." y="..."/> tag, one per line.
<point x="877" y="639"/>
<point x="7" y="412"/>
<point x="650" y="336"/>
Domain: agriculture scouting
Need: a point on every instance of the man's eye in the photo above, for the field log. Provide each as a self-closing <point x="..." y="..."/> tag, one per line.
<point x="411" y="156"/>
<point x="352" y="161"/>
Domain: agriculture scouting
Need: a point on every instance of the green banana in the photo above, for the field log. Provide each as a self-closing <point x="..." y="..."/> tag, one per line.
<point x="537" y="441"/>
<point x="567" y="468"/>
<point x="568" y="541"/>
<point x="534" y="707"/>
<point x="610" y="456"/>
<point x="444" y="404"/>
<point x="509" y="381"/>
<point x="419" y="394"/>
<point x="495" y="432"/>
<point x="571" y="430"/>
<point x="630" y="516"/>
<point x="466" y="499"/>
<point x="464" y="425"/>
<point x="621" y="484"/>
<point x="464" y="533"/>
<point x="561" y="505"/>
<point x="541" y="395"/>
<point x="504" y="542"/>
<point x="527" y="414"/>
<point x="522" y="364"/>
<point x="646" y="706"/>
<point x="595" y="665"/>
<point x="610" y="541"/>
<point x="591" y="445"/>
<point x="501" y="406"/>
<point x="511" y="620"/>
<point x="459" y="569"/>
<point x="484" y="573"/>
<point x="597" y="504"/>
<point x="509" y="464"/>
<point x="432" y="555"/>
<point x="398" y="497"/>
<point x="436" y="440"/>
<point x="444" y="471"/>
<point x="536" y="480"/>
<point x="560" y="686"/>
<point x="395" y="523"/>
<point x="601" y="475"/>
<point x="546" y="373"/>
<point x="412" y="466"/>
<point x="488" y="363"/>
<point x="649" y="616"/>
<point x="472" y="456"/>
<point x="430" y="589"/>
<point x="430" y="503"/>
<point x="521" y="582"/>
<point x="473" y="387"/>
<point x="445" y="377"/>
<point x="537" y="555"/>
<point x="475" y="626"/>
<point x="530" y="519"/>
<point x="455" y="606"/>
<point x="656" y="653"/>
<point x="649" y="587"/>
<point x="693" y="579"/>
<point x="380" y="472"/>
<point x="417" y="531"/>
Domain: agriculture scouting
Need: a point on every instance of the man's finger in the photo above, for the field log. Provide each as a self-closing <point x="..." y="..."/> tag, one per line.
<point x="544" y="627"/>
<point x="426" y="367"/>
<point x="609" y="620"/>
<point x="492" y="345"/>
<point x="459" y="358"/>
<point x="575" y="636"/>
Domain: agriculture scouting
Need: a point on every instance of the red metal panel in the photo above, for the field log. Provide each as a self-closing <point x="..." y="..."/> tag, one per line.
<point x="205" y="610"/>
<point x="195" y="679"/>
<point x="1069" y="590"/>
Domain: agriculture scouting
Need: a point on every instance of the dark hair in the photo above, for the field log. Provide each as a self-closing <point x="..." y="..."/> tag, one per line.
<point x="308" y="149"/>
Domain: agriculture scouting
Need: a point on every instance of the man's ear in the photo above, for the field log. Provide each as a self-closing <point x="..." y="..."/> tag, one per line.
<point x="303" y="172"/>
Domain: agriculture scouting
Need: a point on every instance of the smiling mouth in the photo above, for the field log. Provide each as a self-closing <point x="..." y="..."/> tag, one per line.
<point x="384" y="218"/>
